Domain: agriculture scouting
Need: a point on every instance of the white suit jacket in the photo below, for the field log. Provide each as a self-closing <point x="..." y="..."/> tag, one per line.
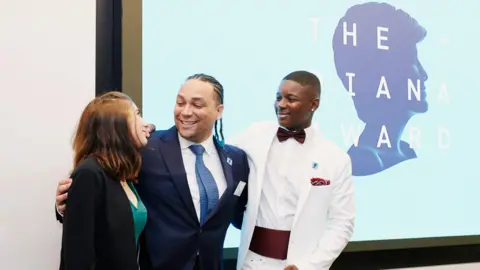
<point x="324" y="219"/>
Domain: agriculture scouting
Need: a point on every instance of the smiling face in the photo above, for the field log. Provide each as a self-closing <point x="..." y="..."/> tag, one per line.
<point x="138" y="127"/>
<point x="295" y="104"/>
<point x="196" y="110"/>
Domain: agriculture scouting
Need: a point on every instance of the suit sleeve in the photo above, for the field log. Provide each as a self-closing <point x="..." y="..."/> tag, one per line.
<point x="78" y="249"/>
<point x="242" y="201"/>
<point x="241" y="139"/>
<point x="340" y="224"/>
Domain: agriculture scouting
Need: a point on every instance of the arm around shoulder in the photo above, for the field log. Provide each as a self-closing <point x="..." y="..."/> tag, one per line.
<point x="78" y="248"/>
<point x="244" y="136"/>
<point x="340" y="224"/>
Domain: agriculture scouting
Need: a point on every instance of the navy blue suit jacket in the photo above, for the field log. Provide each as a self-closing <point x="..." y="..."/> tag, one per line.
<point x="173" y="235"/>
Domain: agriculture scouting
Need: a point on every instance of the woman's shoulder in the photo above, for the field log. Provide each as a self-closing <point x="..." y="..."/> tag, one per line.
<point x="88" y="167"/>
<point x="88" y="164"/>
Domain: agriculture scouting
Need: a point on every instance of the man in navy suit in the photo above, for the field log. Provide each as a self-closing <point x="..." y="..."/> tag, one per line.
<point x="191" y="183"/>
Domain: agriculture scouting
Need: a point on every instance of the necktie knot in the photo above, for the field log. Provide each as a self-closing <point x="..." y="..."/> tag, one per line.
<point x="197" y="149"/>
<point x="283" y="135"/>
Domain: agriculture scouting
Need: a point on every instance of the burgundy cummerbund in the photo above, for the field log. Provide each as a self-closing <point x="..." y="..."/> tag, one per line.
<point x="270" y="243"/>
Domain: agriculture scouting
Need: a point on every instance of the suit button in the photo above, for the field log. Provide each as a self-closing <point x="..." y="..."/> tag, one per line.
<point x="201" y="230"/>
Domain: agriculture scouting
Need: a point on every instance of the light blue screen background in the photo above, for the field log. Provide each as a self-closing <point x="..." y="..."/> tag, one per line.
<point x="250" y="45"/>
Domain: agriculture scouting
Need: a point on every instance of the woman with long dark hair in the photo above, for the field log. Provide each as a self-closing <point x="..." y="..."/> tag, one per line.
<point x="105" y="215"/>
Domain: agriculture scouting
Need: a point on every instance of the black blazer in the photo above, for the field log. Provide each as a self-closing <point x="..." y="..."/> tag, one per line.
<point x="173" y="235"/>
<point x="98" y="230"/>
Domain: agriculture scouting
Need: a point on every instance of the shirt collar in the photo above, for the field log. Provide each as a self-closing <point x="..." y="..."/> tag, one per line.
<point x="208" y="144"/>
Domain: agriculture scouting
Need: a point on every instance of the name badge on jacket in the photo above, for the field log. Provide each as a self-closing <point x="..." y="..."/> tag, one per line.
<point x="240" y="187"/>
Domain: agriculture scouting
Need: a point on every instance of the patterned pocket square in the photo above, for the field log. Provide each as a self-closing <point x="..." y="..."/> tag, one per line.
<point x="319" y="182"/>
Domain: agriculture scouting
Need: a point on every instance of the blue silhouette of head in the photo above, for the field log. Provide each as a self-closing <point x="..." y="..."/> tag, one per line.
<point x="376" y="58"/>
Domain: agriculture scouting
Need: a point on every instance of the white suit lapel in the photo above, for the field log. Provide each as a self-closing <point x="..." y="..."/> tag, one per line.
<point x="310" y="167"/>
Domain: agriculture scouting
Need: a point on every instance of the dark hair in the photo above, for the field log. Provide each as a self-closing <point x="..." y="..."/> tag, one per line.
<point x="103" y="133"/>
<point x="305" y="78"/>
<point x="218" y="88"/>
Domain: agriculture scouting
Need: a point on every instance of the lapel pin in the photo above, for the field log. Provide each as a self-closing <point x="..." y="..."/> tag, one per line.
<point x="229" y="161"/>
<point x="315" y="165"/>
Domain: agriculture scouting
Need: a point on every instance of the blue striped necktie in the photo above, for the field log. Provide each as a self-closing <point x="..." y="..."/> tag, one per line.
<point x="206" y="183"/>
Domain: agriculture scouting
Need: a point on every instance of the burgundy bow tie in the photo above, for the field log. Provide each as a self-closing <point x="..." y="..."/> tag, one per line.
<point x="283" y="135"/>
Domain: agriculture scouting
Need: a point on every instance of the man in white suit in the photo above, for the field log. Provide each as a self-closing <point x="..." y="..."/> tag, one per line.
<point x="300" y="212"/>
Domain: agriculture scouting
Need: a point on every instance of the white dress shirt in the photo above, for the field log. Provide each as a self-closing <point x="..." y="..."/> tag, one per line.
<point x="280" y="190"/>
<point x="212" y="162"/>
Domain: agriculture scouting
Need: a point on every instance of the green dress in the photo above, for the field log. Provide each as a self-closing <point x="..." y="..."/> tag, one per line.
<point x="139" y="214"/>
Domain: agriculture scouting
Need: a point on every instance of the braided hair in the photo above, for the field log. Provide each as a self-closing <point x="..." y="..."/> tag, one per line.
<point x="218" y="88"/>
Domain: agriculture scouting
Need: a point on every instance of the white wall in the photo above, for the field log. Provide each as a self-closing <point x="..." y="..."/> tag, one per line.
<point x="47" y="74"/>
